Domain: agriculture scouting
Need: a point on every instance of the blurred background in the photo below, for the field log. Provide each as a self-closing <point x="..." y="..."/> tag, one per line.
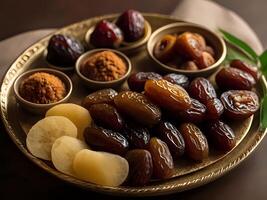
<point x="20" y="16"/>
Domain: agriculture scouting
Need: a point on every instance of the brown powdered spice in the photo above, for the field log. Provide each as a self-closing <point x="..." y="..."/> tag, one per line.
<point x="42" y="88"/>
<point x="103" y="66"/>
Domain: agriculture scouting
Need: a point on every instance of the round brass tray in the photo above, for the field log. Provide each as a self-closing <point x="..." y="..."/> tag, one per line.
<point x="187" y="175"/>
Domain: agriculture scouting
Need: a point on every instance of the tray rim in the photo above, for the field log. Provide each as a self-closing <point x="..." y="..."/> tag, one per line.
<point x="152" y="190"/>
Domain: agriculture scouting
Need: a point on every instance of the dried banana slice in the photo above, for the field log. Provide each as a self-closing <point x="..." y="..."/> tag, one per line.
<point x="77" y="114"/>
<point x="63" y="152"/>
<point x="100" y="167"/>
<point x="42" y="135"/>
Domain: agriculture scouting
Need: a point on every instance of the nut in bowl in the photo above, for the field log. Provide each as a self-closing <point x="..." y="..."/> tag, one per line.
<point x="128" y="33"/>
<point x="186" y="48"/>
<point x="40" y="89"/>
<point x="103" y="68"/>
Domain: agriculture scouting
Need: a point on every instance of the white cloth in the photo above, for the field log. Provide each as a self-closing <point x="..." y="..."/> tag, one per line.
<point x="214" y="16"/>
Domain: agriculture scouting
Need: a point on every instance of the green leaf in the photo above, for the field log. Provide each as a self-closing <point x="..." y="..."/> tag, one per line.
<point x="241" y="44"/>
<point x="233" y="54"/>
<point x="263" y="61"/>
<point x="264" y="112"/>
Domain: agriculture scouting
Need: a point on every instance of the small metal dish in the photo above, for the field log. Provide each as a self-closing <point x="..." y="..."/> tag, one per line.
<point x="41" y="108"/>
<point x="92" y="84"/>
<point x="64" y="69"/>
<point x="126" y="47"/>
<point x="212" y="39"/>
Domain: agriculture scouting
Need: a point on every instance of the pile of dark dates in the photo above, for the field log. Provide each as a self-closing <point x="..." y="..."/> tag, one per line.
<point x="162" y="118"/>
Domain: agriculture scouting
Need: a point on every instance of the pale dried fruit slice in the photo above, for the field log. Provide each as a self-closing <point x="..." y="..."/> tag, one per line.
<point x="77" y="114"/>
<point x="63" y="152"/>
<point x="42" y="135"/>
<point x="100" y="167"/>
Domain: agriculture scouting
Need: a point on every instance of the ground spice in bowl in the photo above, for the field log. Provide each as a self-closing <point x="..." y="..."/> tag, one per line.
<point x="103" y="66"/>
<point x="42" y="88"/>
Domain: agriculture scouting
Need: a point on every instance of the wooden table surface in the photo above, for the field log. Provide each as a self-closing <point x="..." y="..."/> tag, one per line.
<point x="20" y="179"/>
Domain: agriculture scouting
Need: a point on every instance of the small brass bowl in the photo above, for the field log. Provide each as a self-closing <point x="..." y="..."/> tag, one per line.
<point x="41" y="108"/>
<point x="126" y="47"/>
<point x="215" y="41"/>
<point x="92" y="84"/>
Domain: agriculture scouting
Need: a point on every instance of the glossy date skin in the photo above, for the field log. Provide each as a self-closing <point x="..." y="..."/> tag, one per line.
<point x="169" y="96"/>
<point x="178" y="79"/>
<point x="195" y="114"/>
<point x="100" y="96"/>
<point x="138" y="107"/>
<point x="214" y="109"/>
<point x="164" y="48"/>
<point x="106" y="35"/>
<point x="168" y="133"/>
<point x="63" y="51"/>
<point x="140" y="167"/>
<point x="189" y="65"/>
<point x="205" y="60"/>
<point x="101" y="139"/>
<point x="137" y="136"/>
<point x="162" y="158"/>
<point x="196" y="145"/>
<point x="202" y="90"/>
<point x="221" y="135"/>
<point x="239" y="104"/>
<point x="234" y="79"/>
<point x="106" y="116"/>
<point x="190" y="45"/>
<point x="132" y="24"/>
<point x="136" y="81"/>
<point x="252" y="70"/>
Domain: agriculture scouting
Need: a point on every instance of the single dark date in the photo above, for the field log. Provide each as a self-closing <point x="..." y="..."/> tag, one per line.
<point x="172" y="137"/>
<point x="221" y="135"/>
